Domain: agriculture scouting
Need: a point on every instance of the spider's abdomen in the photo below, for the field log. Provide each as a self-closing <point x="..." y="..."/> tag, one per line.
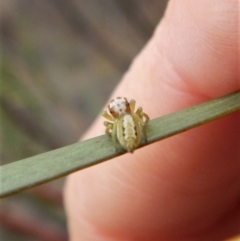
<point x="125" y="126"/>
<point x="129" y="132"/>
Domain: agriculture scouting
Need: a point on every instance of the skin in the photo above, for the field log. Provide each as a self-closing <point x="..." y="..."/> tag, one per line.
<point x="186" y="187"/>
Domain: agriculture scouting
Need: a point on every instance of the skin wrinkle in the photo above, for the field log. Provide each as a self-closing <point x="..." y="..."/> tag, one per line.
<point x="177" y="80"/>
<point x="173" y="83"/>
<point x="174" y="80"/>
<point x="214" y="28"/>
<point x="181" y="189"/>
<point x="127" y="184"/>
<point x="130" y="178"/>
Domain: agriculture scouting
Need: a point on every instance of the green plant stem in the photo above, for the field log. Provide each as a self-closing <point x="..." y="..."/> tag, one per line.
<point x="29" y="172"/>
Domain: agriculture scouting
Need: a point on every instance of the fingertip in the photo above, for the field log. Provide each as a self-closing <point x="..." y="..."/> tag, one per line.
<point x="146" y="194"/>
<point x="201" y="43"/>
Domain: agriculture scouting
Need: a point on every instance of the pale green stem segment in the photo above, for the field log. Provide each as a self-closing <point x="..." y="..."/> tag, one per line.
<point x="29" y="172"/>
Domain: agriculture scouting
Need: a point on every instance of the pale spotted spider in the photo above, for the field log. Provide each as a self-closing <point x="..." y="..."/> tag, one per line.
<point x="126" y="127"/>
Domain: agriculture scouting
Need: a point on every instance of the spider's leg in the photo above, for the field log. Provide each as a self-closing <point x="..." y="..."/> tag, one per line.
<point x="106" y="115"/>
<point x="132" y="105"/>
<point x="139" y="112"/>
<point x="109" y="127"/>
<point x="114" y="134"/>
<point x="146" y="117"/>
<point x="142" y="115"/>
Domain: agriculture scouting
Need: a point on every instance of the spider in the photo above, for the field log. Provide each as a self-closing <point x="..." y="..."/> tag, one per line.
<point x="125" y="127"/>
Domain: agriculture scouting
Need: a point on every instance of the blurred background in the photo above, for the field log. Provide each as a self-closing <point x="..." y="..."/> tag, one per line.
<point x="60" y="61"/>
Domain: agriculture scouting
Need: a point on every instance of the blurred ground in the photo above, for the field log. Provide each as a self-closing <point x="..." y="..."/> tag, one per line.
<point x="60" y="60"/>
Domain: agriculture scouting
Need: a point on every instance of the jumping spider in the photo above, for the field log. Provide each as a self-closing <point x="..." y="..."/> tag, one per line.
<point x="125" y="127"/>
